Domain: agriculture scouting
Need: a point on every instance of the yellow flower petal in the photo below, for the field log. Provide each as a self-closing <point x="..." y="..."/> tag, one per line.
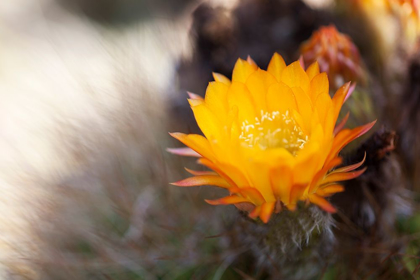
<point x="294" y="76"/>
<point x="261" y="180"/>
<point x="295" y="194"/>
<point x="216" y="99"/>
<point x="309" y="158"/>
<point x="319" y="85"/>
<point x="280" y="98"/>
<point x="195" y="101"/>
<point x="330" y="121"/>
<point x="239" y="96"/>
<point x="251" y="194"/>
<point x="274" y="156"/>
<point x="266" y="211"/>
<point x="304" y="106"/>
<point x="209" y="124"/>
<point x="220" y="78"/>
<point x="313" y="70"/>
<point x="299" y="120"/>
<point x="258" y="84"/>
<point x="323" y="104"/>
<point x="230" y="173"/>
<point x="243" y="69"/>
<point x="281" y="182"/>
<point x="276" y="66"/>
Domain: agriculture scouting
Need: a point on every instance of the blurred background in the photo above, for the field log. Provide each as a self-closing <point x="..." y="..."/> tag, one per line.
<point x="89" y="90"/>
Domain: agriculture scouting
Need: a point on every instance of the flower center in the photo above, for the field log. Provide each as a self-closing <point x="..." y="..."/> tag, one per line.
<point x="274" y="130"/>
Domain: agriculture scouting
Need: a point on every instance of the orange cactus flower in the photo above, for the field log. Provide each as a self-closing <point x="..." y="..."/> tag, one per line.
<point x="269" y="137"/>
<point x="336" y="54"/>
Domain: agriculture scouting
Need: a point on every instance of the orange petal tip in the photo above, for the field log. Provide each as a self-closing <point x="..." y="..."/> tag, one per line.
<point x="180" y="183"/>
<point x="200" y="173"/>
<point x="183" y="152"/>
<point x="212" y="202"/>
<point x="233" y="199"/>
<point x="255" y="213"/>
<point x="291" y="207"/>
<point x="341" y="125"/>
<point x="175" y="134"/>
<point x="331" y="209"/>
<point x="322" y="203"/>
<point x="367" y="127"/>
<point x="350" y="91"/>
<point x="266" y="211"/>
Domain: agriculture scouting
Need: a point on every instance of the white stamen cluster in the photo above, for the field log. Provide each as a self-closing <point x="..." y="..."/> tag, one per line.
<point x="274" y="130"/>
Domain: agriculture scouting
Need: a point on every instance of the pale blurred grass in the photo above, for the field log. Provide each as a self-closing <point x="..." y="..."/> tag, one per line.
<point x="84" y="172"/>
